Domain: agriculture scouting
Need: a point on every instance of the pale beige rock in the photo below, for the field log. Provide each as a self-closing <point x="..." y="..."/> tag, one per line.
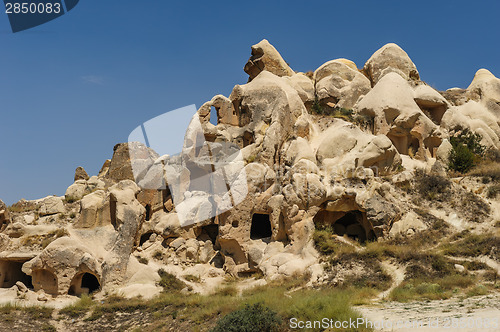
<point x="51" y="205"/>
<point x="340" y="84"/>
<point x="390" y="58"/>
<point x="4" y="216"/>
<point x="266" y="57"/>
<point x="409" y="224"/>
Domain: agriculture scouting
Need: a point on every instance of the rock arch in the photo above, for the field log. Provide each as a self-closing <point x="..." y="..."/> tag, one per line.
<point x="84" y="283"/>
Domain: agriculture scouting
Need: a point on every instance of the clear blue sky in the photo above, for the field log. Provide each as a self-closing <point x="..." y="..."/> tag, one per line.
<point x="73" y="88"/>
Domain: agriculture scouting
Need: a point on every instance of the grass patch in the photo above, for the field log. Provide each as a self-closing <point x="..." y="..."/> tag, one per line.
<point x="78" y="309"/>
<point x="45" y="239"/>
<point x="170" y="282"/>
<point x="473" y="245"/>
<point x="327" y="244"/>
<point x="431" y="289"/>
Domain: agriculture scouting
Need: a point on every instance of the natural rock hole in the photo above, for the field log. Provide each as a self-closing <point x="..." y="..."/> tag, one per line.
<point x="261" y="226"/>
<point x="11" y="272"/>
<point x="144" y="238"/>
<point x="84" y="283"/>
<point x="352" y="223"/>
<point x="214" y="117"/>
<point x="148" y="212"/>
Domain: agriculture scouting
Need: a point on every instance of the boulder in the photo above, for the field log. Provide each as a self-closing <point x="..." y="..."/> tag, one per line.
<point x="76" y="191"/>
<point x="485" y="86"/>
<point x="51" y="205"/>
<point x="476" y="117"/>
<point x="408" y="225"/>
<point x="340" y="85"/>
<point x="80" y="174"/>
<point x="390" y="58"/>
<point x="266" y="57"/>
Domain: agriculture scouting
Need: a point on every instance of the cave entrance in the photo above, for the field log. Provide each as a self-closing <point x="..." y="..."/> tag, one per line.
<point x="212" y="231"/>
<point x="84" y="283"/>
<point x="261" y="226"/>
<point x="11" y="272"/>
<point x="352" y="223"/>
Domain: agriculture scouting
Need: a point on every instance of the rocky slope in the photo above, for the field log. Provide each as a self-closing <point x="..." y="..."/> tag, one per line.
<point x="336" y="148"/>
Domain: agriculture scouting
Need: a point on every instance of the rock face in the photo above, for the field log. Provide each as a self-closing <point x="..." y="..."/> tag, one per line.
<point x="298" y="171"/>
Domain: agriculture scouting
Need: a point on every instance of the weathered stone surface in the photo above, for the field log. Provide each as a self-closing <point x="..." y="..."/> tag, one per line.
<point x="339" y="84"/>
<point x="390" y="59"/>
<point x="80" y="174"/>
<point x="51" y="205"/>
<point x="266" y="57"/>
<point x="4" y="216"/>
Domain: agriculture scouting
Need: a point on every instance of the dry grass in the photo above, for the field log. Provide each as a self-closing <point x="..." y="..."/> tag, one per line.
<point x="489" y="170"/>
<point x="473" y="245"/>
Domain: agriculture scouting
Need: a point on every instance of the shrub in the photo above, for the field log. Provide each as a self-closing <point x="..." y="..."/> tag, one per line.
<point x="256" y="317"/>
<point x="466" y="151"/>
<point x="461" y="159"/>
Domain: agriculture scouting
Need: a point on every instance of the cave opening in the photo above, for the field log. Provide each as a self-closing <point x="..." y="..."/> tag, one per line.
<point x="261" y="226"/>
<point x="212" y="231"/>
<point x="144" y="238"/>
<point x="11" y="272"/>
<point x="84" y="283"/>
<point x="352" y="224"/>
<point x="148" y="212"/>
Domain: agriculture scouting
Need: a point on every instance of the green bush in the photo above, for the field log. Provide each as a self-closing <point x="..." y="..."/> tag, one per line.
<point x="256" y="317"/>
<point x="466" y="151"/>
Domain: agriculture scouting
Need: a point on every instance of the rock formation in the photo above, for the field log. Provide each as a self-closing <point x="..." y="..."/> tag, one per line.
<point x="303" y="170"/>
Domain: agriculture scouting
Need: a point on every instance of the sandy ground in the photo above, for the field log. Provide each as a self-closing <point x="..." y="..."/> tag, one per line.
<point x="445" y="315"/>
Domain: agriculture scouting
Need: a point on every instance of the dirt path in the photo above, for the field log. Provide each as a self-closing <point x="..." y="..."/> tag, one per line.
<point x="397" y="274"/>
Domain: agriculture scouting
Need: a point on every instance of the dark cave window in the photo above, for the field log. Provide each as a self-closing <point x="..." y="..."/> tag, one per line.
<point x="261" y="226"/>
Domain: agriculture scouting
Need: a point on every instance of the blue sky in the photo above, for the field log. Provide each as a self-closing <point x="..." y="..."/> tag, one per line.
<point x="73" y="88"/>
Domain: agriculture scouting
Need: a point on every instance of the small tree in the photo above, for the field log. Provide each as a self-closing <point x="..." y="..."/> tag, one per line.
<point x="466" y="151"/>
